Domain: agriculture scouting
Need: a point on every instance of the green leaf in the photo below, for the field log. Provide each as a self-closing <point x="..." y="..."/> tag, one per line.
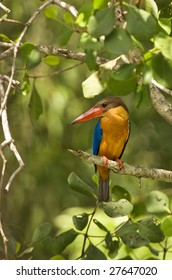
<point x="150" y="229"/>
<point x="157" y="202"/>
<point x="95" y="179"/>
<point x="93" y="253"/>
<point x="76" y="184"/>
<point x="51" y="60"/>
<point x="166" y="226"/>
<point x="122" y="87"/>
<point x="4" y="16"/>
<point x="25" y="85"/>
<point x="90" y="59"/>
<point x="165" y="23"/>
<point x="65" y="35"/>
<point x="100" y="225"/>
<point x="164" y="44"/>
<point x="25" y="50"/>
<point x="119" y="42"/>
<point x="80" y="20"/>
<point x="112" y="245"/>
<point x="119" y="193"/>
<point x="118" y="209"/>
<point x="33" y="59"/>
<point x="101" y="23"/>
<point x="63" y="240"/>
<point x="151" y="7"/>
<point x="141" y="24"/>
<point x="153" y="251"/>
<point x="51" y="12"/>
<point x="108" y="240"/>
<point x="57" y="257"/>
<point x="100" y="4"/>
<point x="80" y="221"/>
<point x="68" y="18"/>
<point x="30" y="55"/>
<point x="92" y="86"/>
<point x="5" y="38"/>
<point x="84" y="14"/>
<point x="35" y="105"/>
<point x="87" y="42"/>
<point x="125" y="72"/>
<point x="130" y="235"/>
<point x="162" y="70"/>
<point x="41" y="232"/>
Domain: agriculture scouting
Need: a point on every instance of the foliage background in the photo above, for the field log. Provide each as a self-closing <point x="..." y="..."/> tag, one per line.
<point x="40" y="193"/>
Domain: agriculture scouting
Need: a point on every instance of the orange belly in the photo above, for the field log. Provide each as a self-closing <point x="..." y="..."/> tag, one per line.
<point x="115" y="133"/>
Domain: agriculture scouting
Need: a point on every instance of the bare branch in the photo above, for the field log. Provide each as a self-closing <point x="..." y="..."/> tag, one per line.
<point x="6" y="10"/>
<point x="137" y="171"/>
<point x="66" y="7"/>
<point x="6" y="45"/>
<point x="4" y="238"/>
<point x="55" y="72"/>
<point x="8" y="141"/>
<point x="160" y="103"/>
<point x="16" y="48"/>
<point x="67" y="54"/>
<point x="161" y="87"/>
<point x="6" y="79"/>
<point x="6" y="53"/>
<point x="50" y="50"/>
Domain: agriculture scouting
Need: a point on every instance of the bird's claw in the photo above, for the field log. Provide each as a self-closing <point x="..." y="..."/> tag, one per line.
<point x="121" y="166"/>
<point x="105" y="161"/>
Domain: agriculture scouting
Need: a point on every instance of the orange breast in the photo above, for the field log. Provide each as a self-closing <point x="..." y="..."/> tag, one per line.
<point x="115" y="133"/>
<point x="115" y="128"/>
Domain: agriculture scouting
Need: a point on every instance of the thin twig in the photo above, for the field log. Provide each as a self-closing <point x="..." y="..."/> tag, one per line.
<point x="9" y="141"/>
<point x="7" y="10"/>
<point x="16" y="48"/>
<point x="54" y="73"/>
<point x="8" y="20"/>
<point x="71" y="9"/>
<point x="4" y="238"/>
<point x="86" y="233"/>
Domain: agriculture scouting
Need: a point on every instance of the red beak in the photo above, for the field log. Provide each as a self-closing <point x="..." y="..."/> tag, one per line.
<point x="90" y="114"/>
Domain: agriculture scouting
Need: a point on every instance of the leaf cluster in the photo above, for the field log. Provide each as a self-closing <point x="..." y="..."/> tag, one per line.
<point x="151" y="231"/>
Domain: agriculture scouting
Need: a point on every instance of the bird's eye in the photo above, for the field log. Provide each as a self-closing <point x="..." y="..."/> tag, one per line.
<point x="104" y="105"/>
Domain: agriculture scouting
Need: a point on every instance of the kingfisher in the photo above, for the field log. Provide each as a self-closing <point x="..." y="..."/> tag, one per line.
<point x="111" y="135"/>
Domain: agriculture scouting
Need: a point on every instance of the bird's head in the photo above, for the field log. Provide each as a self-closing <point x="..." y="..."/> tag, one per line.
<point x="101" y="108"/>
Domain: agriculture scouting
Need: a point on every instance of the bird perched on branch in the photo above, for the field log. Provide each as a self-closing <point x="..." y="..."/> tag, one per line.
<point x="110" y="136"/>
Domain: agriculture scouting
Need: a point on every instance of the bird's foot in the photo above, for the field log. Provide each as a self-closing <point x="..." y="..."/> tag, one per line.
<point x="121" y="166"/>
<point x="105" y="161"/>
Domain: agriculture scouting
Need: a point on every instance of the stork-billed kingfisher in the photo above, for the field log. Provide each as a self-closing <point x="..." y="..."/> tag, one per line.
<point x="110" y="136"/>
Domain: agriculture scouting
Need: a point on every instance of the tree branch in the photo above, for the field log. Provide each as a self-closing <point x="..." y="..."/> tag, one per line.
<point x="8" y="141"/>
<point x="67" y="54"/>
<point x="160" y="103"/>
<point x="6" y="10"/>
<point x="50" y="50"/>
<point x="71" y="9"/>
<point x="161" y="87"/>
<point x="137" y="171"/>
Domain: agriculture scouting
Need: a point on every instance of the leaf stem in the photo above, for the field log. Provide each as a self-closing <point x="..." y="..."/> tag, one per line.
<point x="86" y="233"/>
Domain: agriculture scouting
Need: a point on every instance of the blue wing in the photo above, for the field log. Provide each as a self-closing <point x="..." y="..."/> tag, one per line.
<point x="97" y="138"/>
